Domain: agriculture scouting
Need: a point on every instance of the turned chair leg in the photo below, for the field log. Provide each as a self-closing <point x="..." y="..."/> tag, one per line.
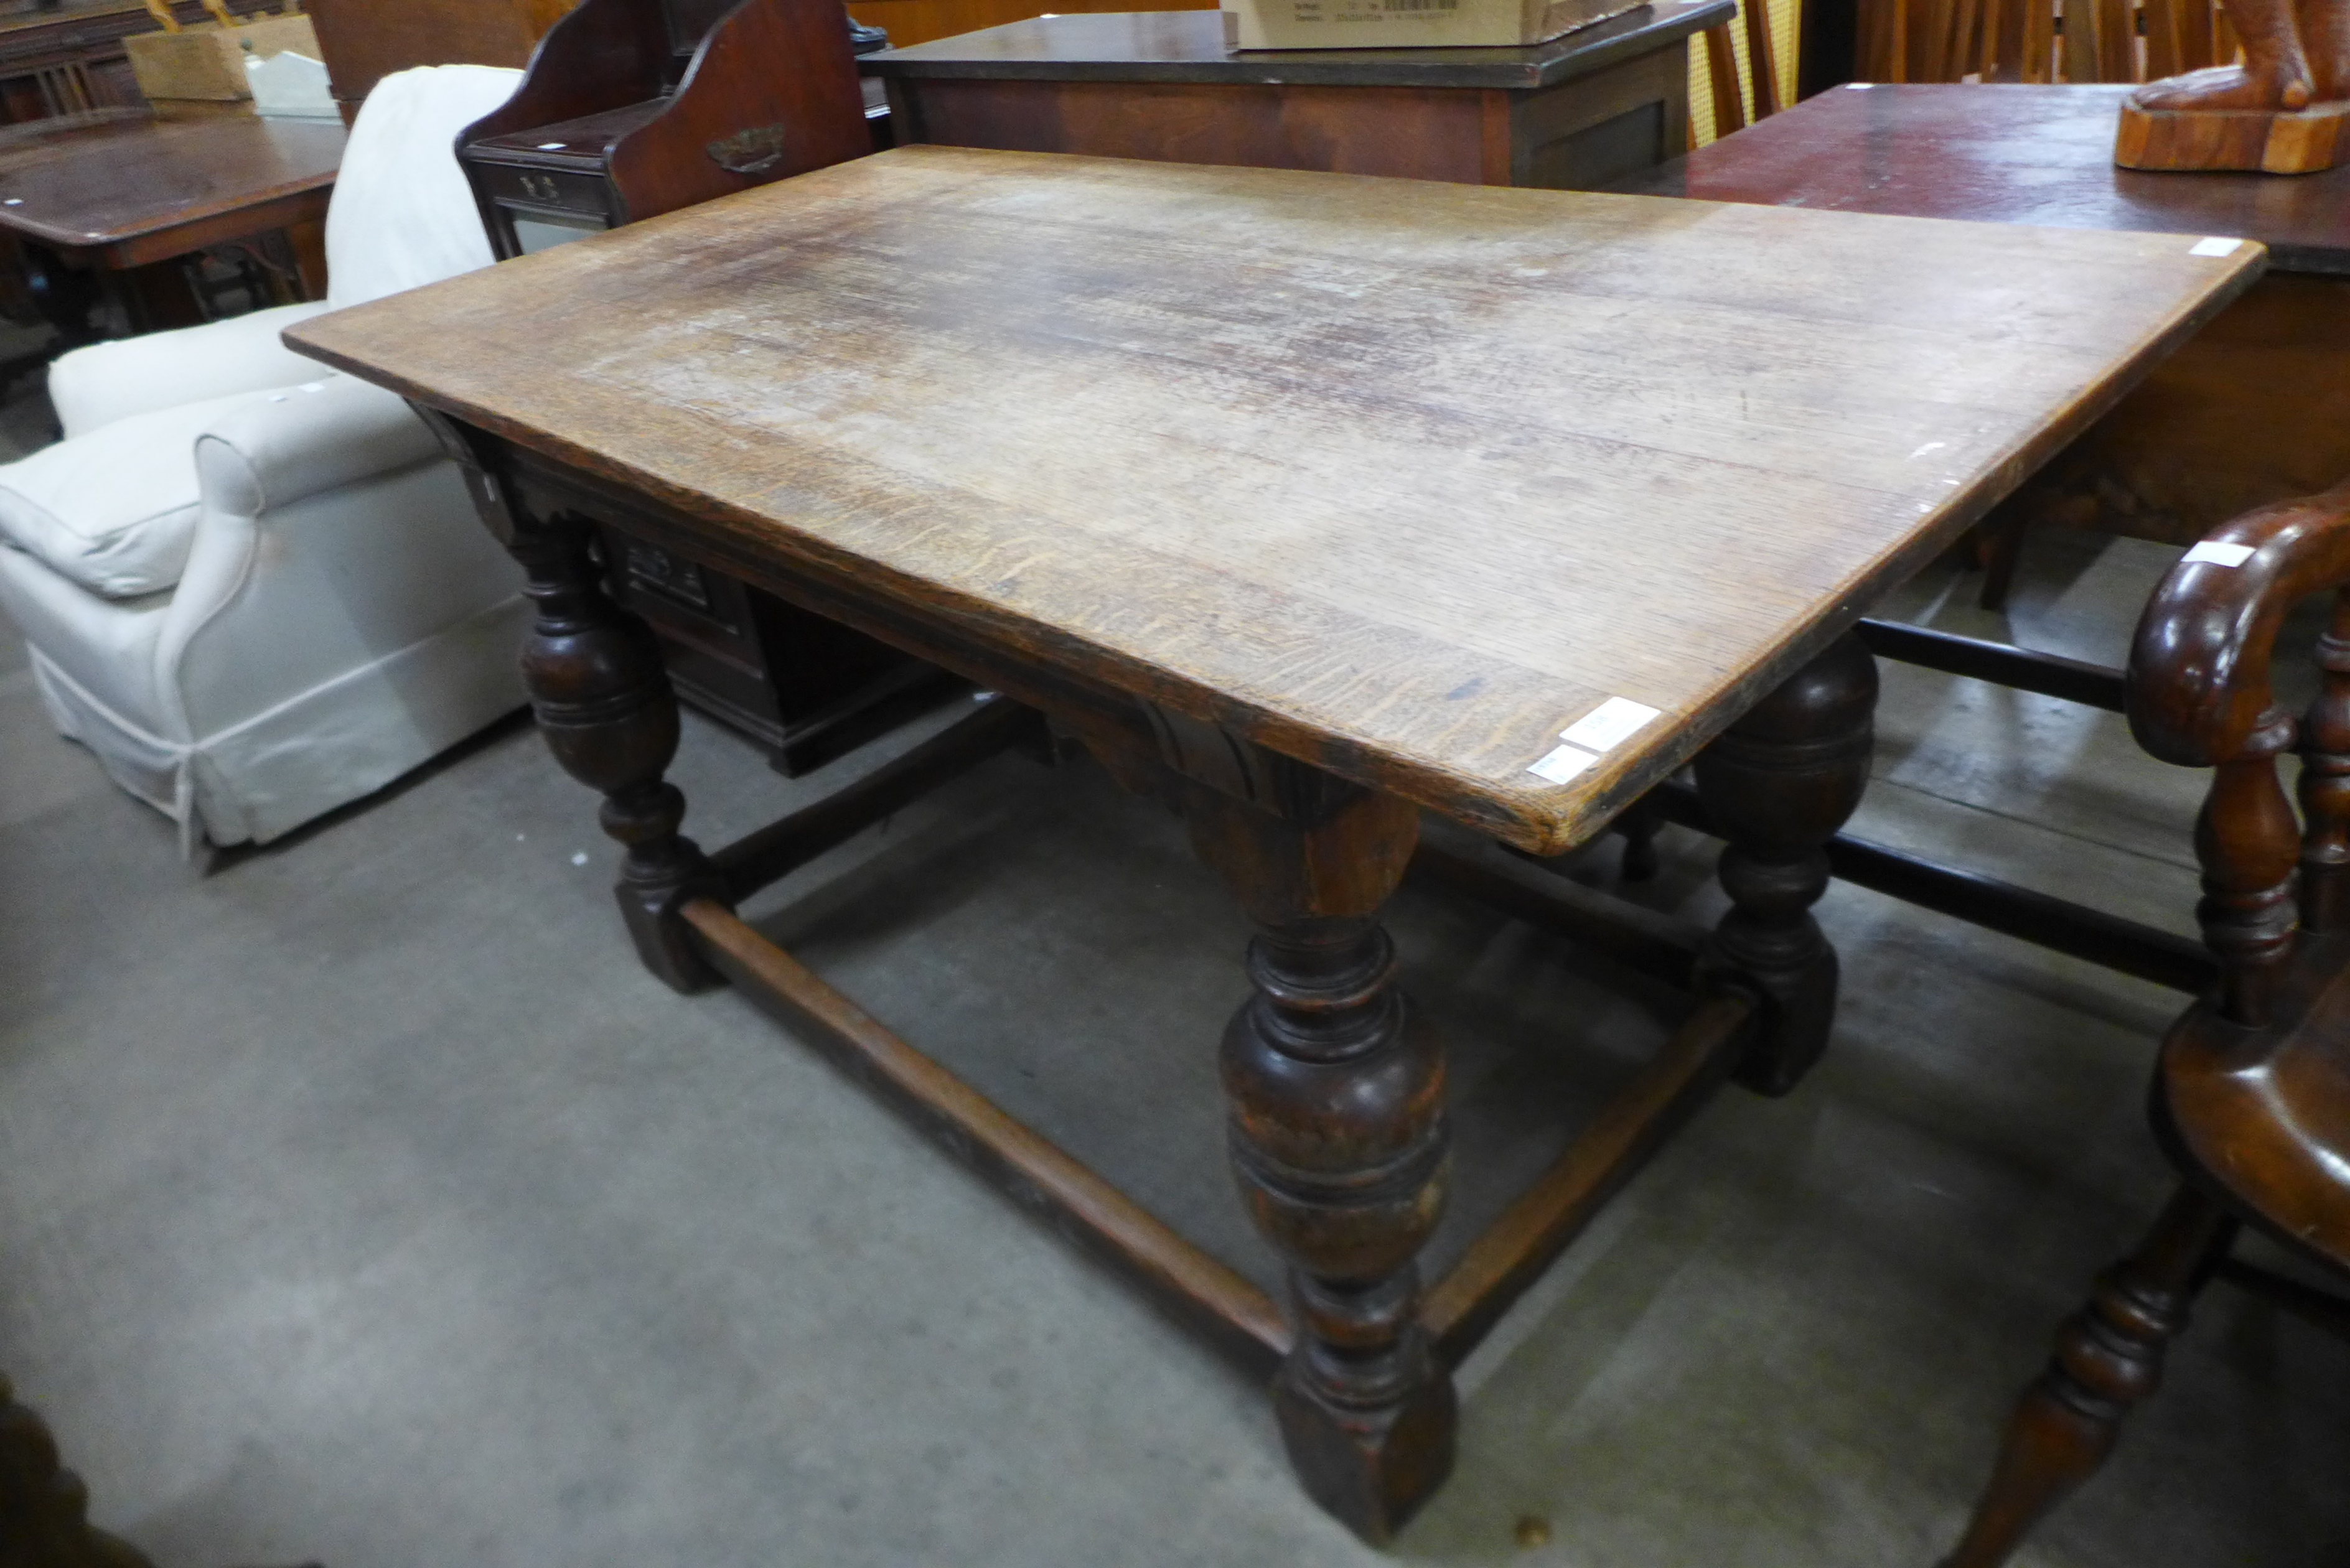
<point x="2108" y="1359"/>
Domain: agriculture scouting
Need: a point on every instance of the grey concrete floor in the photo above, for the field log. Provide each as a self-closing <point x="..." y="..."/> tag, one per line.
<point x="360" y="1200"/>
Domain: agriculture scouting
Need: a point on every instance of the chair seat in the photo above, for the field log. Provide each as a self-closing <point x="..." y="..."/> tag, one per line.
<point x="2264" y="1114"/>
<point x="114" y="511"/>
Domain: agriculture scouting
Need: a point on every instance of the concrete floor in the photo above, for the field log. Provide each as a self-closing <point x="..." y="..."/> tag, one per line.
<point x="364" y="1202"/>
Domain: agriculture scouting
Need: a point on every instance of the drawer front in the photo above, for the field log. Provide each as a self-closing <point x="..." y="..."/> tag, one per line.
<point x="551" y="190"/>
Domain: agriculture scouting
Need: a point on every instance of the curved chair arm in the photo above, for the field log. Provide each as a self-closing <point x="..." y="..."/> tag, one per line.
<point x="2197" y="687"/>
<point x="2198" y="694"/>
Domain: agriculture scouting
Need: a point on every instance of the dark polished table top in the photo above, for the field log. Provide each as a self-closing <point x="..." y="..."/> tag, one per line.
<point x="2006" y="154"/>
<point x="1188" y="46"/>
<point x="85" y="181"/>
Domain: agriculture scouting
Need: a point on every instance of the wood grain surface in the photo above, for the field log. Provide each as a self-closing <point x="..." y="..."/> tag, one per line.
<point x="1397" y="478"/>
<point x="113" y="177"/>
<point x="2004" y="154"/>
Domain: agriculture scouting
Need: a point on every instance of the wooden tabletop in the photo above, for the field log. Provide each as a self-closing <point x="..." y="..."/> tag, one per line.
<point x="1188" y="46"/>
<point x="2006" y="154"/>
<point x="1399" y="477"/>
<point x="114" y="178"/>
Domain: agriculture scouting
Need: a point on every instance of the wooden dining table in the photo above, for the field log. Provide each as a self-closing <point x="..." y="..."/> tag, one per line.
<point x="1311" y="504"/>
<point x="102" y="203"/>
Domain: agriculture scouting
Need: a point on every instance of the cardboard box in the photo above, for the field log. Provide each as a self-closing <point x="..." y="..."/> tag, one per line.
<point x="207" y="62"/>
<point x="1409" y="24"/>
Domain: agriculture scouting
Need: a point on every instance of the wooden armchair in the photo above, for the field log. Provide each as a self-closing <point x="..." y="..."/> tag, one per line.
<point x="2251" y="1098"/>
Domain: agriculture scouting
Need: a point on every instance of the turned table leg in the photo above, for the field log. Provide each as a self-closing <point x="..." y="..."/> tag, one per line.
<point x="604" y="703"/>
<point x="1336" y="1090"/>
<point x="1778" y="785"/>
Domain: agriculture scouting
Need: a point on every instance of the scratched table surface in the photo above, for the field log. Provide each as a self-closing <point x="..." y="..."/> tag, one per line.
<point x="1399" y="477"/>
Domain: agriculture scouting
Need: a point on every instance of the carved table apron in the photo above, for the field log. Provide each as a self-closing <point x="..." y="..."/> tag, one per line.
<point x="1309" y="502"/>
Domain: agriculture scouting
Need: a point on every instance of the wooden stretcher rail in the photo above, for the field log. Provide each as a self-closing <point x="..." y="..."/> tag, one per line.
<point x="1463" y="1307"/>
<point x="1038" y="1173"/>
<point x="2057" y="924"/>
<point x="1653" y="944"/>
<point x="2049" y="674"/>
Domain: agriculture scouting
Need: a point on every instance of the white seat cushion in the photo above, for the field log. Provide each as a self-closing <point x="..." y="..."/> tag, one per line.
<point x="115" y="510"/>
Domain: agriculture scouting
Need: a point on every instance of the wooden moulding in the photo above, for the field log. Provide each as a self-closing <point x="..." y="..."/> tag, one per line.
<point x="2298" y="141"/>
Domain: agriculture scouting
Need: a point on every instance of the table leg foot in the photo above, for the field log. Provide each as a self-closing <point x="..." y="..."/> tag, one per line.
<point x="1779" y="784"/>
<point x="1338" y="1138"/>
<point x="604" y="703"/>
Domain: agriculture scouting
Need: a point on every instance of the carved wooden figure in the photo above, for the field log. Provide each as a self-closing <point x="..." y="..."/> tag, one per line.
<point x="2252" y="1099"/>
<point x="2281" y="110"/>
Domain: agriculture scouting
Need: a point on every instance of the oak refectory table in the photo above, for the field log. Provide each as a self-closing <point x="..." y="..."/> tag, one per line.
<point x="1312" y="503"/>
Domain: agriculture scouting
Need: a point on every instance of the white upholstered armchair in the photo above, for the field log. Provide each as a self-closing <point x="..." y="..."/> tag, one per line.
<point x="254" y="588"/>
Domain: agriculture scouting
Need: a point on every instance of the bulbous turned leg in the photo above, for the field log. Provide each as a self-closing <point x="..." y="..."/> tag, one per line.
<point x="1778" y="785"/>
<point x="44" y="1507"/>
<point x="2108" y="1359"/>
<point x="604" y="703"/>
<point x="1338" y="1140"/>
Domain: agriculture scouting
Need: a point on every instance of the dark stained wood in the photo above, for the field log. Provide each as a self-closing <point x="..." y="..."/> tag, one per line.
<point x="366" y="40"/>
<point x="2108" y="1359"/>
<point x="2025" y="670"/>
<point x="2016" y="154"/>
<point x="781" y="847"/>
<point x="119" y="190"/>
<point x="44" y="1507"/>
<point x="1777" y="784"/>
<point x="635" y="108"/>
<point x="1654" y="944"/>
<point x="603" y="704"/>
<point x="1442" y="674"/>
<point x="2252" y="1097"/>
<point x="1082" y="1207"/>
<point x="1574" y="112"/>
<point x="601" y="100"/>
<point x="1340" y="1140"/>
<point x="1188" y="46"/>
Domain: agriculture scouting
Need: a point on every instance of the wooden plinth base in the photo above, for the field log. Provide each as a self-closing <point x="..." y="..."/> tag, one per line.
<point x="2302" y="141"/>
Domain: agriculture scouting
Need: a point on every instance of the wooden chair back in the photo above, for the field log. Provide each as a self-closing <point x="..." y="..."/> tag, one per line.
<point x="2041" y="40"/>
<point x="1761" y="81"/>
